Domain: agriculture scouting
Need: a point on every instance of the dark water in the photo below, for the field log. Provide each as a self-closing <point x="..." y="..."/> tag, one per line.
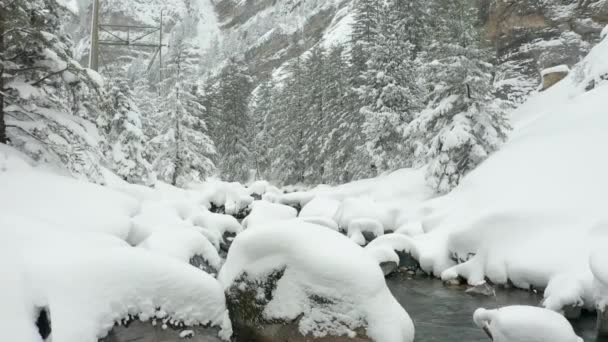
<point x="445" y="314"/>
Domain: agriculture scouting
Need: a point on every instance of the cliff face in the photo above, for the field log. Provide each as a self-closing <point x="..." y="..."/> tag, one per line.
<point x="528" y="35"/>
<point x="270" y="32"/>
<point x="532" y="35"/>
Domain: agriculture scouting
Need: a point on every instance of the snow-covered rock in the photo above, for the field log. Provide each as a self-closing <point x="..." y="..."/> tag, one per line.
<point x="367" y="228"/>
<point x="233" y="197"/>
<point x="320" y="206"/>
<point x="354" y="208"/>
<point x="184" y="245"/>
<point x="263" y="212"/>
<point x="321" y="221"/>
<point x="89" y="281"/>
<point x="219" y="222"/>
<point x="300" y="279"/>
<point x="525" y="324"/>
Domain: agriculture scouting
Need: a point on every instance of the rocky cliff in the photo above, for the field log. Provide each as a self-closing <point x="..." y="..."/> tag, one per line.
<point x="527" y="35"/>
<point x="530" y="36"/>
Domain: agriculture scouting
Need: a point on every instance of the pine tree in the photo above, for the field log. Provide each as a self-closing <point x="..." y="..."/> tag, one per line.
<point x="315" y="124"/>
<point x="390" y="92"/>
<point x="123" y="130"/>
<point x="460" y="127"/>
<point x="184" y="150"/>
<point x="342" y="151"/>
<point x="262" y="107"/>
<point x="234" y="124"/>
<point x="48" y="101"/>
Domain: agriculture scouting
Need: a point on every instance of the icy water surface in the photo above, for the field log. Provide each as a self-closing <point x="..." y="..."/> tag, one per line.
<point x="445" y="314"/>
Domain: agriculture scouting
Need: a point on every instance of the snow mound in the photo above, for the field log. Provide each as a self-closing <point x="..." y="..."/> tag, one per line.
<point x="320" y="207"/>
<point x="183" y="244"/>
<point x="66" y="203"/>
<point x="525" y="324"/>
<point x="318" y="262"/>
<point x="354" y="208"/>
<point x="357" y="228"/>
<point x="234" y="197"/>
<point x="260" y="188"/>
<point x="263" y="212"/>
<point x="321" y="221"/>
<point x="296" y="199"/>
<point x="89" y="281"/>
<point x="218" y="222"/>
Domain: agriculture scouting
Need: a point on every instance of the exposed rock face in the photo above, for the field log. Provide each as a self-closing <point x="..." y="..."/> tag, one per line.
<point x="270" y="32"/>
<point x="551" y="78"/>
<point x="246" y="301"/>
<point x="533" y="35"/>
<point x="602" y="322"/>
<point x="146" y="332"/>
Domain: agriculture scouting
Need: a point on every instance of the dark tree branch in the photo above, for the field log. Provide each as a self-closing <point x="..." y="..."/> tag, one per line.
<point x="49" y="76"/>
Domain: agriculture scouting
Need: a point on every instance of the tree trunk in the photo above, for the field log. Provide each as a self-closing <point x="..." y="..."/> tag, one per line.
<point x="3" y="138"/>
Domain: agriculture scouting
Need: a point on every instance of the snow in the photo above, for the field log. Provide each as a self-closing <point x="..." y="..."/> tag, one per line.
<point x="66" y="203"/>
<point x="296" y="199"/>
<point x="263" y="212"/>
<point x="354" y="208"/>
<point x="320" y="207"/>
<point x="183" y="244"/>
<point x="340" y="30"/>
<point x="218" y="222"/>
<point x="323" y="263"/>
<point x="604" y="32"/>
<point x="70" y="5"/>
<point x="88" y="281"/>
<point x="64" y="246"/>
<point x="234" y="197"/>
<point x="562" y="69"/>
<point x="208" y="26"/>
<point x="364" y="225"/>
<point x="524" y="324"/>
<point x="321" y="221"/>
<point x="598" y="262"/>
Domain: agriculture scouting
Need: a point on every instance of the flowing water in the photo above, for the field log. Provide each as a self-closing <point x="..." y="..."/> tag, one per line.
<point x="445" y="314"/>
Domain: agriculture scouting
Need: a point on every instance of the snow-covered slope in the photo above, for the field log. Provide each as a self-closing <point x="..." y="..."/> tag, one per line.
<point x="63" y="249"/>
<point x="533" y="211"/>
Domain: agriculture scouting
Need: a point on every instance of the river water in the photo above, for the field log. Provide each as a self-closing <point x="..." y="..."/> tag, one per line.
<point x="445" y="314"/>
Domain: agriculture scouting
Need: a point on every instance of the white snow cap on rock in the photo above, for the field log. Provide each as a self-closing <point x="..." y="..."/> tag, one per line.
<point x="218" y="222"/>
<point x="183" y="244"/>
<point x="525" y="324"/>
<point x="323" y="263"/>
<point x="263" y="212"/>
<point x="353" y="208"/>
<point x="233" y="196"/>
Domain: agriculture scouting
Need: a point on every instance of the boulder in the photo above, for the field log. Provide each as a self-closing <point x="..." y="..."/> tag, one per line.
<point x="553" y="75"/>
<point x="484" y="289"/>
<point x="602" y="322"/>
<point x="139" y="331"/>
<point x="573" y="311"/>
<point x="199" y="262"/>
<point x="246" y="300"/>
<point x="388" y="267"/>
<point x="406" y="260"/>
